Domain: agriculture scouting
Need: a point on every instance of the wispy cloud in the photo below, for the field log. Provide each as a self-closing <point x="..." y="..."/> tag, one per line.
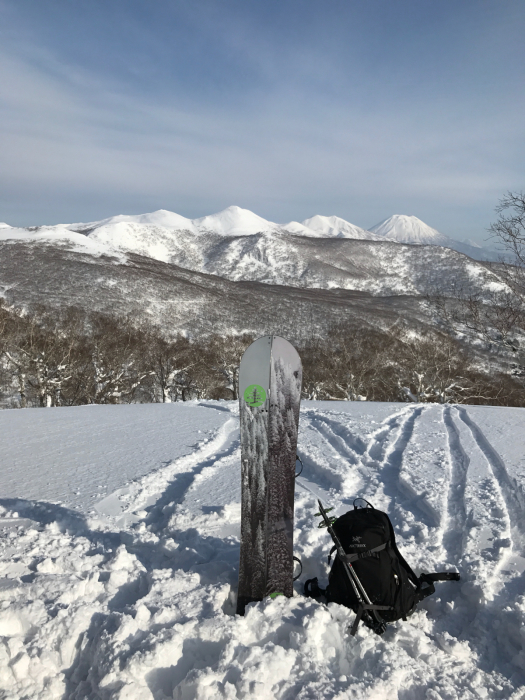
<point x="299" y="127"/>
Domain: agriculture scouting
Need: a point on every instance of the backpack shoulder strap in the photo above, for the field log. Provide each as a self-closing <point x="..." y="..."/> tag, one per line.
<point x="401" y="558"/>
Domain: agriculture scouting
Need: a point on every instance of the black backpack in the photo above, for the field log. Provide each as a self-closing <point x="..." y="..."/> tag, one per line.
<point x="374" y="580"/>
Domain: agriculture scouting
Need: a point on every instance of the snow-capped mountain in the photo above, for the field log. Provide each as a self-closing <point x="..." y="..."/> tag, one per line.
<point x="409" y="229"/>
<point x="234" y="243"/>
<point x="169" y="237"/>
<point x="203" y="275"/>
<point x="232" y="221"/>
<point x="235" y="221"/>
<point x="161" y="217"/>
<point x="273" y="255"/>
<point x="237" y="245"/>
<point x="335" y="227"/>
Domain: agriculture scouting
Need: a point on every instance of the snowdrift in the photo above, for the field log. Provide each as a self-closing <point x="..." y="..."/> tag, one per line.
<point x="119" y="535"/>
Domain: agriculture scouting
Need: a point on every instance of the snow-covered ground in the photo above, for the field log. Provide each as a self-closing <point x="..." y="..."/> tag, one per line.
<point x="119" y="530"/>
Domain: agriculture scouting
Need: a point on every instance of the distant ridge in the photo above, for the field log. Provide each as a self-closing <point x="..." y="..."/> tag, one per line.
<point x="167" y="236"/>
<point x="236" y="221"/>
<point x="335" y="227"/>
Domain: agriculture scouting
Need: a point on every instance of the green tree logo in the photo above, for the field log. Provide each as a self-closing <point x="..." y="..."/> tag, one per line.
<point x="254" y="395"/>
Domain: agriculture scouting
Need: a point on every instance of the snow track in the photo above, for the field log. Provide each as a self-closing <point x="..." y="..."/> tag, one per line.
<point x="135" y="598"/>
<point x="456" y="522"/>
<point x="514" y="505"/>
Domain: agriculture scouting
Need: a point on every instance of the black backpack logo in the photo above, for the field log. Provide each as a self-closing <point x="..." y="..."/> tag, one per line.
<point x="369" y="574"/>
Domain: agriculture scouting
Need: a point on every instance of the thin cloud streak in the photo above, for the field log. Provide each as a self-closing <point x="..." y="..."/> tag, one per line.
<point x="78" y="144"/>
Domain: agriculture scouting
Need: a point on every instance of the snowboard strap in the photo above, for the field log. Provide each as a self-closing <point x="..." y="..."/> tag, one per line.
<point x="301" y="570"/>
<point x="429" y="579"/>
<point x="312" y="589"/>
<point x="443" y="576"/>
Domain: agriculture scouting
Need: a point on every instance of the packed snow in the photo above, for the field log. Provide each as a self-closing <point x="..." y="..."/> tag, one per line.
<point x="119" y="532"/>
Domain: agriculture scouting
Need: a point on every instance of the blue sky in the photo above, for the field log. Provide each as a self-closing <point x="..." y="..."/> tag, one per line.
<point x="289" y="108"/>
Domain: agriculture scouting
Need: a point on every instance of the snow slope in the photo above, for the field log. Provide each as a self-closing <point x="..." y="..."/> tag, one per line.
<point x="132" y="595"/>
<point x="80" y="469"/>
<point x="62" y="236"/>
<point x="335" y="227"/>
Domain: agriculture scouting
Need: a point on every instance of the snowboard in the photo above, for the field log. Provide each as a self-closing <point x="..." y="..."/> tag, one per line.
<point x="270" y="378"/>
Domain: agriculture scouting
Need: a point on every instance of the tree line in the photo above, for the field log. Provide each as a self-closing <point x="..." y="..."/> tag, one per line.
<point x="52" y="358"/>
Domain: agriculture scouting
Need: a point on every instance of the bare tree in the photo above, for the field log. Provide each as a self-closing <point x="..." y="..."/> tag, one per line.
<point x="71" y="358"/>
<point x="315" y="376"/>
<point x="223" y="357"/>
<point x="494" y="320"/>
<point x="509" y="228"/>
<point x="432" y="368"/>
<point x="40" y="355"/>
<point x="117" y="369"/>
<point x="171" y="364"/>
<point x="356" y="364"/>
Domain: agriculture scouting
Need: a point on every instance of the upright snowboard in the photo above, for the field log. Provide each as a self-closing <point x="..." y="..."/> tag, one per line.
<point x="269" y="393"/>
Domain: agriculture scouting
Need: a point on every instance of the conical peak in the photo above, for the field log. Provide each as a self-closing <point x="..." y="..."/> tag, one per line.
<point x="408" y="229"/>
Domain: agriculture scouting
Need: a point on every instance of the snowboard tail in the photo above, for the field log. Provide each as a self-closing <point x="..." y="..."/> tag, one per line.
<point x="270" y="392"/>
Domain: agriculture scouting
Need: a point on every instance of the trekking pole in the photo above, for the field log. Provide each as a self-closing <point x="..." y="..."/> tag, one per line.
<point x="365" y="604"/>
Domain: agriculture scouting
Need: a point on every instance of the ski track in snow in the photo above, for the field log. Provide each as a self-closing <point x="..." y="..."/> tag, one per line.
<point x="456" y="521"/>
<point x="138" y="602"/>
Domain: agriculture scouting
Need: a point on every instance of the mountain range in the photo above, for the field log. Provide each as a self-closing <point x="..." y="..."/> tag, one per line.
<point x="154" y="231"/>
<point x="236" y="271"/>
